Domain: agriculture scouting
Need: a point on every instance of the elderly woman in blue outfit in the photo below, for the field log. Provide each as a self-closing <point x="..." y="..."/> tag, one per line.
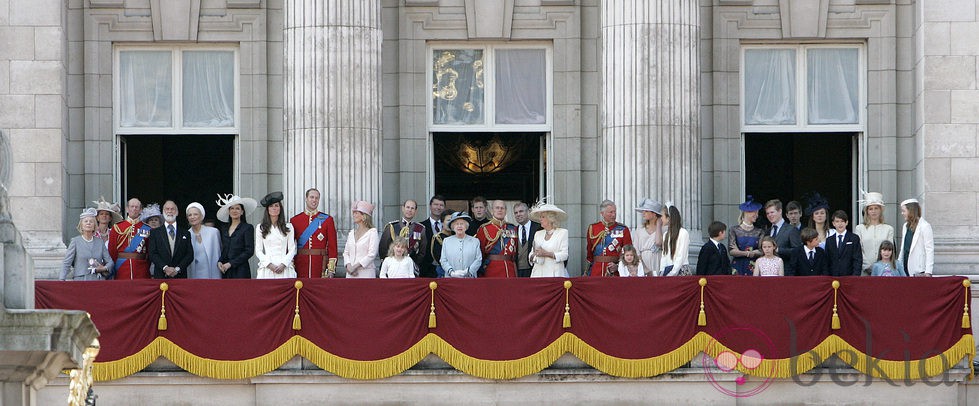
<point x="87" y="258"/>
<point x="461" y="256"/>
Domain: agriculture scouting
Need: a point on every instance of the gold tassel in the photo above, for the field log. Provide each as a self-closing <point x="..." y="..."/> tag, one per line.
<point x="162" y="323"/>
<point x="966" y="320"/>
<point x="567" y="306"/>
<point x="431" y="313"/>
<point x="836" y="317"/>
<point x="702" y="317"/>
<point x="297" y="323"/>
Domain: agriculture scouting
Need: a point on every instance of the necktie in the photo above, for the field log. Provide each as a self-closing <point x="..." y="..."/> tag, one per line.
<point x="171" y="231"/>
<point x="523" y="237"/>
<point x="810" y="256"/>
<point x="774" y="230"/>
<point x="438" y="227"/>
<point x="839" y="242"/>
<point x="720" y="248"/>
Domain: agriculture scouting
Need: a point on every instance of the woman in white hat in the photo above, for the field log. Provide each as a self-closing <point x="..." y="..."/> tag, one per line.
<point x="550" y="243"/>
<point x="461" y="256"/>
<point x="648" y="239"/>
<point x="206" y="241"/>
<point x="275" y="241"/>
<point x="87" y="258"/>
<point x="361" y="247"/>
<point x="918" y="242"/>
<point x="873" y="231"/>
<point x="237" y="243"/>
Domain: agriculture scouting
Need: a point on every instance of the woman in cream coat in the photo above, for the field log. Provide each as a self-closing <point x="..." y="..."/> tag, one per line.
<point x="275" y="241"/>
<point x="361" y="248"/>
<point x="550" y="243"/>
<point x="919" y="260"/>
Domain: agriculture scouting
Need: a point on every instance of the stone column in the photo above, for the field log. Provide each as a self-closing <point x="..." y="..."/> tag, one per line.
<point x="332" y="104"/>
<point x="34" y="115"/>
<point x="650" y="106"/>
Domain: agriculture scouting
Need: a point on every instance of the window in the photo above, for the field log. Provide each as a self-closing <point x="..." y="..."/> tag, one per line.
<point x="503" y="87"/>
<point x="809" y="88"/>
<point x="178" y="90"/>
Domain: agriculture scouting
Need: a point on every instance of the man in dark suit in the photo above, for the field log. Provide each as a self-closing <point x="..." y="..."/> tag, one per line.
<point x="809" y="259"/>
<point x="526" y="228"/>
<point x="843" y="249"/>
<point x="433" y="225"/>
<point x="786" y="237"/>
<point x="713" y="258"/>
<point x="170" y="250"/>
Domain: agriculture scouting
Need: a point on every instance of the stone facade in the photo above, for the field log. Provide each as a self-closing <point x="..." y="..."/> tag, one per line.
<point x="919" y="138"/>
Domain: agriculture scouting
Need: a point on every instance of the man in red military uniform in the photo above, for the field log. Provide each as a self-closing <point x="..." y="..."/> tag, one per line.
<point x="128" y="241"/>
<point x="498" y="241"/>
<point x="316" y="240"/>
<point x="605" y="240"/>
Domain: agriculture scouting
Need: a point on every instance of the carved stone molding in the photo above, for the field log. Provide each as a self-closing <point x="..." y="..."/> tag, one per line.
<point x="181" y="17"/>
<point x="489" y="19"/>
<point x="803" y="18"/>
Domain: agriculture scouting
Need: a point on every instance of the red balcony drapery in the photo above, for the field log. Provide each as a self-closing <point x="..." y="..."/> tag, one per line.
<point x="506" y="328"/>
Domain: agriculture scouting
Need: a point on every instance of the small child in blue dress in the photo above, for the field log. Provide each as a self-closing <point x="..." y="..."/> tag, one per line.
<point x="886" y="265"/>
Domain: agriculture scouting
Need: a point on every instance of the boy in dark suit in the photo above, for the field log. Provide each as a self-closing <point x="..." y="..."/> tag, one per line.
<point x="843" y="249"/>
<point x="713" y="259"/>
<point x="809" y="259"/>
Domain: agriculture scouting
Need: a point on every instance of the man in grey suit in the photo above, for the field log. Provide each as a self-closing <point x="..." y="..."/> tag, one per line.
<point x="786" y="237"/>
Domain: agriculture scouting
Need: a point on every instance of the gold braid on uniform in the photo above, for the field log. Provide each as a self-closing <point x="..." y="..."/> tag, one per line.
<point x="599" y="237"/>
<point x="499" y="232"/>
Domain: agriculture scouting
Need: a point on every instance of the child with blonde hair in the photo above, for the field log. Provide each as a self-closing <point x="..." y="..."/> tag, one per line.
<point x="398" y="264"/>
<point x="630" y="263"/>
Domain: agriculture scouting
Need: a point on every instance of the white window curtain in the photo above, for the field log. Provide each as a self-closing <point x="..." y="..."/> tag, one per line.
<point x="457" y="86"/>
<point x="769" y="86"/>
<point x="145" y="89"/>
<point x="833" y="81"/>
<point x="521" y="86"/>
<point x="208" y="89"/>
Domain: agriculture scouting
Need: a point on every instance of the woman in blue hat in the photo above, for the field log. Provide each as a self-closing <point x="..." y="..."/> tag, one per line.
<point x="745" y="238"/>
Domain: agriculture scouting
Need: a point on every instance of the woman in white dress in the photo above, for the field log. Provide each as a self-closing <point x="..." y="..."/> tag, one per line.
<point x="873" y="231"/>
<point x="674" y="261"/>
<point x="362" y="242"/>
<point x="275" y="241"/>
<point x="551" y="243"/>
<point x="648" y="239"/>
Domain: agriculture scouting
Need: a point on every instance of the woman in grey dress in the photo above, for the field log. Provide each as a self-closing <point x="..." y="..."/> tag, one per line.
<point x="87" y="258"/>
<point x="207" y="245"/>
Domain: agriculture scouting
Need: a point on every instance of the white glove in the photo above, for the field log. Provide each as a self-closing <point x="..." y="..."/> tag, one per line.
<point x="459" y="274"/>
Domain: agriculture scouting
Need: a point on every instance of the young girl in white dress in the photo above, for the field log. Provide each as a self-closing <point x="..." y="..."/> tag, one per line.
<point x="769" y="264"/>
<point x="397" y="264"/>
<point x="630" y="263"/>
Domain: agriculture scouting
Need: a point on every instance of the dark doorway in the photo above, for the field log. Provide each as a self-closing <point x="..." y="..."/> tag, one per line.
<point x="182" y="168"/>
<point x="788" y="166"/>
<point x="503" y="166"/>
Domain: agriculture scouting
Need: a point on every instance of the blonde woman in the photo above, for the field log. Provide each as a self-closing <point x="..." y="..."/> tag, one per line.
<point x="550" y="243"/>
<point x="361" y="248"/>
<point x="87" y="258"/>
<point x="873" y="231"/>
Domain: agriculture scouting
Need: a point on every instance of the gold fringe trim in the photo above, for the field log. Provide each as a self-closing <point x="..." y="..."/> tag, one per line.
<point x="511" y="369"/>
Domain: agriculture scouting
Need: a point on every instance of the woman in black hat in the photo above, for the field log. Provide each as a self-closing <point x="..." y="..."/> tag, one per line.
<point x="275" y="242"/>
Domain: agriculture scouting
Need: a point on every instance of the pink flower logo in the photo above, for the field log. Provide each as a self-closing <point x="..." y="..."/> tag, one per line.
<point x="729" y="371"/>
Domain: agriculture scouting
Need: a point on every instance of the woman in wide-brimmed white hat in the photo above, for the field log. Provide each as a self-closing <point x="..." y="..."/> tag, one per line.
<point x="873" y="231"/>
<point x="108" y="214"/>
<point x="237" y="236"/>
<point x="550" y="243"/>
<point x="648" y="239"/>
